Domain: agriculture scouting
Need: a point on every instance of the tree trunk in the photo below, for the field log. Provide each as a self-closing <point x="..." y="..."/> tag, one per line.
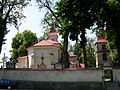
<point x="84" y="56"/>
<point x="1" y="38"/>
<point x="83" y="44"/>
<point x="2" y="33"/>
<point x="65" y="52"/>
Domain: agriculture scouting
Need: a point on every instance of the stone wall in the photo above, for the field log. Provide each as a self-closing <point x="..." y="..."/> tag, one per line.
<point x="36" y="79"/>
<point x="53" y="75"/>
<point x="116" y="75"/>
<point x="83" y="75"/>
<point x="40" y="85"/>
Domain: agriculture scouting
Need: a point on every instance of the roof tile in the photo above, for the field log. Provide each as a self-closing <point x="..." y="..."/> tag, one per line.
<point x="47" y="43"/>
<point x="101" y="41"/>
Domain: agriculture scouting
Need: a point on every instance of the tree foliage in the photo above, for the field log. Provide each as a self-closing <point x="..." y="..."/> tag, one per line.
<point x="78" y="16"/>
<point x="52" y="18"/>
<point x="20" y="42"/>
<point x="10" y="13"/>
<point x="90" y="52"/>
<point x="73" y="17"/>
<point x="45" y="35"/>
<point x="110" y="16"/>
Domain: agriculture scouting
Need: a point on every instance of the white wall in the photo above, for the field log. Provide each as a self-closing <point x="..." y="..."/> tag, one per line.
<point x="57" y="75"/>
<point x="73" y="76"/>
<point x="116" y="74"/>
<point x="46" y="51"/>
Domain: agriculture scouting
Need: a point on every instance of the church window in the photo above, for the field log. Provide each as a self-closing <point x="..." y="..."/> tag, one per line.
<point x="104" y="57"/>
<point x="51" y="53"/>
<point x="103" y="46"/>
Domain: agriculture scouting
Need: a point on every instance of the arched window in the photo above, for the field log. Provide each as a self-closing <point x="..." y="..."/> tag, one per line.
<point x="103" y="46"/>
<point x="104" y="57"/>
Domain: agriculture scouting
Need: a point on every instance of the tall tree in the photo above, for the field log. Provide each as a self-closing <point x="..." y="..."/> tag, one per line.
<point x="20" y="42"/>
<point x="91" y="59"/>
<point x="52" y="18"/>
<point x="74" y="17"/>
<point x="10" y="13"/>
<point x="110" y="15"/>
<point x="78" y="16"/>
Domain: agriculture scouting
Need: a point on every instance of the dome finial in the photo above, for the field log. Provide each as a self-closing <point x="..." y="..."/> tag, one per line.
<point x="52" y="29"/>
<point x="101" y="32"/>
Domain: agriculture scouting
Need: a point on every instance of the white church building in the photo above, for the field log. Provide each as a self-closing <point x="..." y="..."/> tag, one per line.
<point x="44" y="54"/>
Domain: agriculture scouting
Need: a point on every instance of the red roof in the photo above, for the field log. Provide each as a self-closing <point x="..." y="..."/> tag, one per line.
<point x="47" y="43"/>
<point x="52" y="32"/>
<point x="82" y="65"/>
<point x="72" y="63"/>
<point x="72" y="56"/>
<point x="101" y="40"/>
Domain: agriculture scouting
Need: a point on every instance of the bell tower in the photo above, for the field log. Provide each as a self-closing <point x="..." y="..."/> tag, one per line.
<point x="102" y="52"/>
<point x="52" y="35"/>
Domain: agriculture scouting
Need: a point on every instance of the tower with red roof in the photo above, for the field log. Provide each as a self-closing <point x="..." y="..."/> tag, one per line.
<point x="53" y="34"/>
<point x="102" y="53"/>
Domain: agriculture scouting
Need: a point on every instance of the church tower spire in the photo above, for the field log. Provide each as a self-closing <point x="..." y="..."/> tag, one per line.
<point x="101" y="33"/>
<point x="52" y="35"/>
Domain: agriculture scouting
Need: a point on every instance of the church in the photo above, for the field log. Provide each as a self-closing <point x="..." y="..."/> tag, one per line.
<point x="47" y="53"/>
<point x="44" y="54"/>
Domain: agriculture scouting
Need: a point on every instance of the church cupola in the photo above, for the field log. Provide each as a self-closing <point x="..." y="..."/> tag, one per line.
<point x="101" y="33"/>
<point x="52" y="35"/>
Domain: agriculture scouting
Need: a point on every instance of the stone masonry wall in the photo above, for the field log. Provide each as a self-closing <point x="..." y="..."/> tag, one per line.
<point x="84" y="75"/>
<point x="53" y="75"/>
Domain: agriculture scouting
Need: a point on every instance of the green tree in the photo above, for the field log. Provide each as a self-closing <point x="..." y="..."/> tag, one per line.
<point x="113" y="52"/>
<point x="10" y="13"/>
<point x="73" y="17"/>
<point x="110" y="16"/>
<point x="90" y="48"/>
<point x="90" y="52"/>
<point x="20" y="42"/>
<point x="45" y="36"/>
<point x="52" y="18"/>
<point x="78" y="16"/>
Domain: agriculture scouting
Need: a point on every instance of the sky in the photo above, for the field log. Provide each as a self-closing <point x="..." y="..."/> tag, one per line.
<point x="32" y="22"/>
